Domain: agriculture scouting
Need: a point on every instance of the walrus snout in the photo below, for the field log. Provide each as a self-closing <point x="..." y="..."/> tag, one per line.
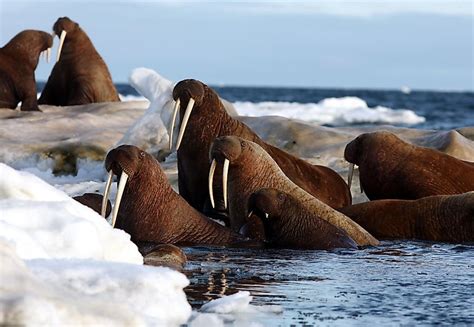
<point x="226" y="147"/>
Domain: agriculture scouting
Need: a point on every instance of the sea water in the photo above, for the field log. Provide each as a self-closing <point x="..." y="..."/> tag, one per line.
<point x="396" y="283"/>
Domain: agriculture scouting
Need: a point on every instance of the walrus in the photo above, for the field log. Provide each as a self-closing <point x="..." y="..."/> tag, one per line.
<point x="164" y="255"/>
<point x="18" y="61"/>
<point x="390" y="168"/>
<point x="94" y="201"/>
<point x="150" y="211"/>
<point x="203" y="118"/>
<point x="249" y="168"/>
<point x="440" y="218"/>
<point x="288" y="223"/>
<point x="80" y="75"/>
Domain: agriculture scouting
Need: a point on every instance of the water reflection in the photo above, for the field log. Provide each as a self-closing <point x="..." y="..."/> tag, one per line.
<point x="395" y="283"/>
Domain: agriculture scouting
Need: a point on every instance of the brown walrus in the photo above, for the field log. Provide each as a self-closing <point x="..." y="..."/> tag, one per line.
<point x="18" y="61"/>
<point x="150" y="211"/>
<point x="164" y="255"/>
<point x="390" y="168"/>
<point x="81" y="75"/>
<point x="441" y="218"/>
<point x="94" y="201"/>
<point x="204" y="119"/>
<point x="251" y="168"/>
<point x="289" y="224"/>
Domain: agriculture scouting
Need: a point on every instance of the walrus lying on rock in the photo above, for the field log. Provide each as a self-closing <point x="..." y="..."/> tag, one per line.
<point x="203" y="119"/>
<point x="390" y="168"/>
<point x="287" y="223"/>
<point x="249" y="168"/>
<point x="18" y="61"/>
<point x="150" y="211"/>
<point x="440" y="218"/>
<point x="80" y="75"/>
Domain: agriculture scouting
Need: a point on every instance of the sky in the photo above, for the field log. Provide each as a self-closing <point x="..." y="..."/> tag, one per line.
<point x="421" y="44"/>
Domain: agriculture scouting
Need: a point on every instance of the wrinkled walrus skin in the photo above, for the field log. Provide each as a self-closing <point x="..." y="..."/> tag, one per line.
<point x="81" y="75"/>
<point x="438" y="218"/>
<point x="209" y="120"/>
<point x="18" y="61"/>
<point x="150" y="211"/>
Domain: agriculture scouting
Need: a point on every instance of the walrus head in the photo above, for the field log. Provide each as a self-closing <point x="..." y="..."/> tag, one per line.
<point x="227" y="150"/>
<point x="62" y="27"/>
<point x="289" y="224"/>
<point x="29" y="44"/>
<point x="358" y="149"/>
<point x="192" y="94"/>
<point x="125" y="161"/>
<point x="267" y="205"/>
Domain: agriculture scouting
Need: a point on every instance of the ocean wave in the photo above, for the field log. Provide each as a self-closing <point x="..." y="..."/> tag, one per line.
<point x="131" y="97"/>
<point x="331" y="111"/>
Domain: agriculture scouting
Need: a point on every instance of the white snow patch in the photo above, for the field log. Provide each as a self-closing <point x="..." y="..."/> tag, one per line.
<point x="85" y="292"/>
<point x="44" y="222"/>
<point x="332" y="111"/>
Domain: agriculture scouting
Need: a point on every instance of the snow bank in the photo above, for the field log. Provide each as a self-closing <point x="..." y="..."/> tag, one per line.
<point x="331" y="111"/>
<point x="43" y="222"/>
<point x="86" y="292"/>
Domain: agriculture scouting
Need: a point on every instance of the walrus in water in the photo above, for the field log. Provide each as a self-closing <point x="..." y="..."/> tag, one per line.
<point x="390" y="168"/>
<point x="249" y="168"/>
<point x="18" y="61"/>
<point x="80" y="75"/>
<point x="441" y="218"/>
<point x="150" y="211"/>
<point x="289" y="224"/>
<point x="205" y="118"/>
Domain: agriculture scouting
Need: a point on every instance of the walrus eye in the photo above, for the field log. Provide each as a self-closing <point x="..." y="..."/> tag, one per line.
<point x="242" y="144"/>
<point x="281" y="197"/>
<point x="142" y="154"/>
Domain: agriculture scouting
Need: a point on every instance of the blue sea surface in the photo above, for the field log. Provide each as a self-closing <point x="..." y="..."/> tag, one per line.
<point x="397" y="283"/>
<point x="442" y="110"/>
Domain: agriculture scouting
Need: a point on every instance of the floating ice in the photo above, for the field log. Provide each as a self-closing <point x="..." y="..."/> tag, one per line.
<point x="235" y="308"/>
<point x="331" y="111"/>
<point x="86" y="292"/>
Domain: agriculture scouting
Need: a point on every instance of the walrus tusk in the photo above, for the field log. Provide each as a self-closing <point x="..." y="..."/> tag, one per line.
<point x="250" y="214"/>
<point x="266" y="215"/>
<point x="173" y="121"/>
<point x="118" y="198"/>
<point x="103" y="209"/>
<point x="225" y="173"/>
<point x="61" y="42"/>
<point x="187" y="113"/>
<point x="349" y="176"/>
<point x="210" y="182"/>
<point x="48" y="55"/>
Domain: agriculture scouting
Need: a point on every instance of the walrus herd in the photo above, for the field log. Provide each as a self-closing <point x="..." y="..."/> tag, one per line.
<point x="263" y="196"/>
<point x="80" y="75"/>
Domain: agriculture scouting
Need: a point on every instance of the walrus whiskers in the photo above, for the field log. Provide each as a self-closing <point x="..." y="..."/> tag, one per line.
<point x="187" y="113"/>
<point x="173" y="121"/>
<point x="210" y="181"/>
<point x="106" y="193"/>
<point x="118" y="198"/>
<point x="61" y="42"/>
<point x="225" y="174"/>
